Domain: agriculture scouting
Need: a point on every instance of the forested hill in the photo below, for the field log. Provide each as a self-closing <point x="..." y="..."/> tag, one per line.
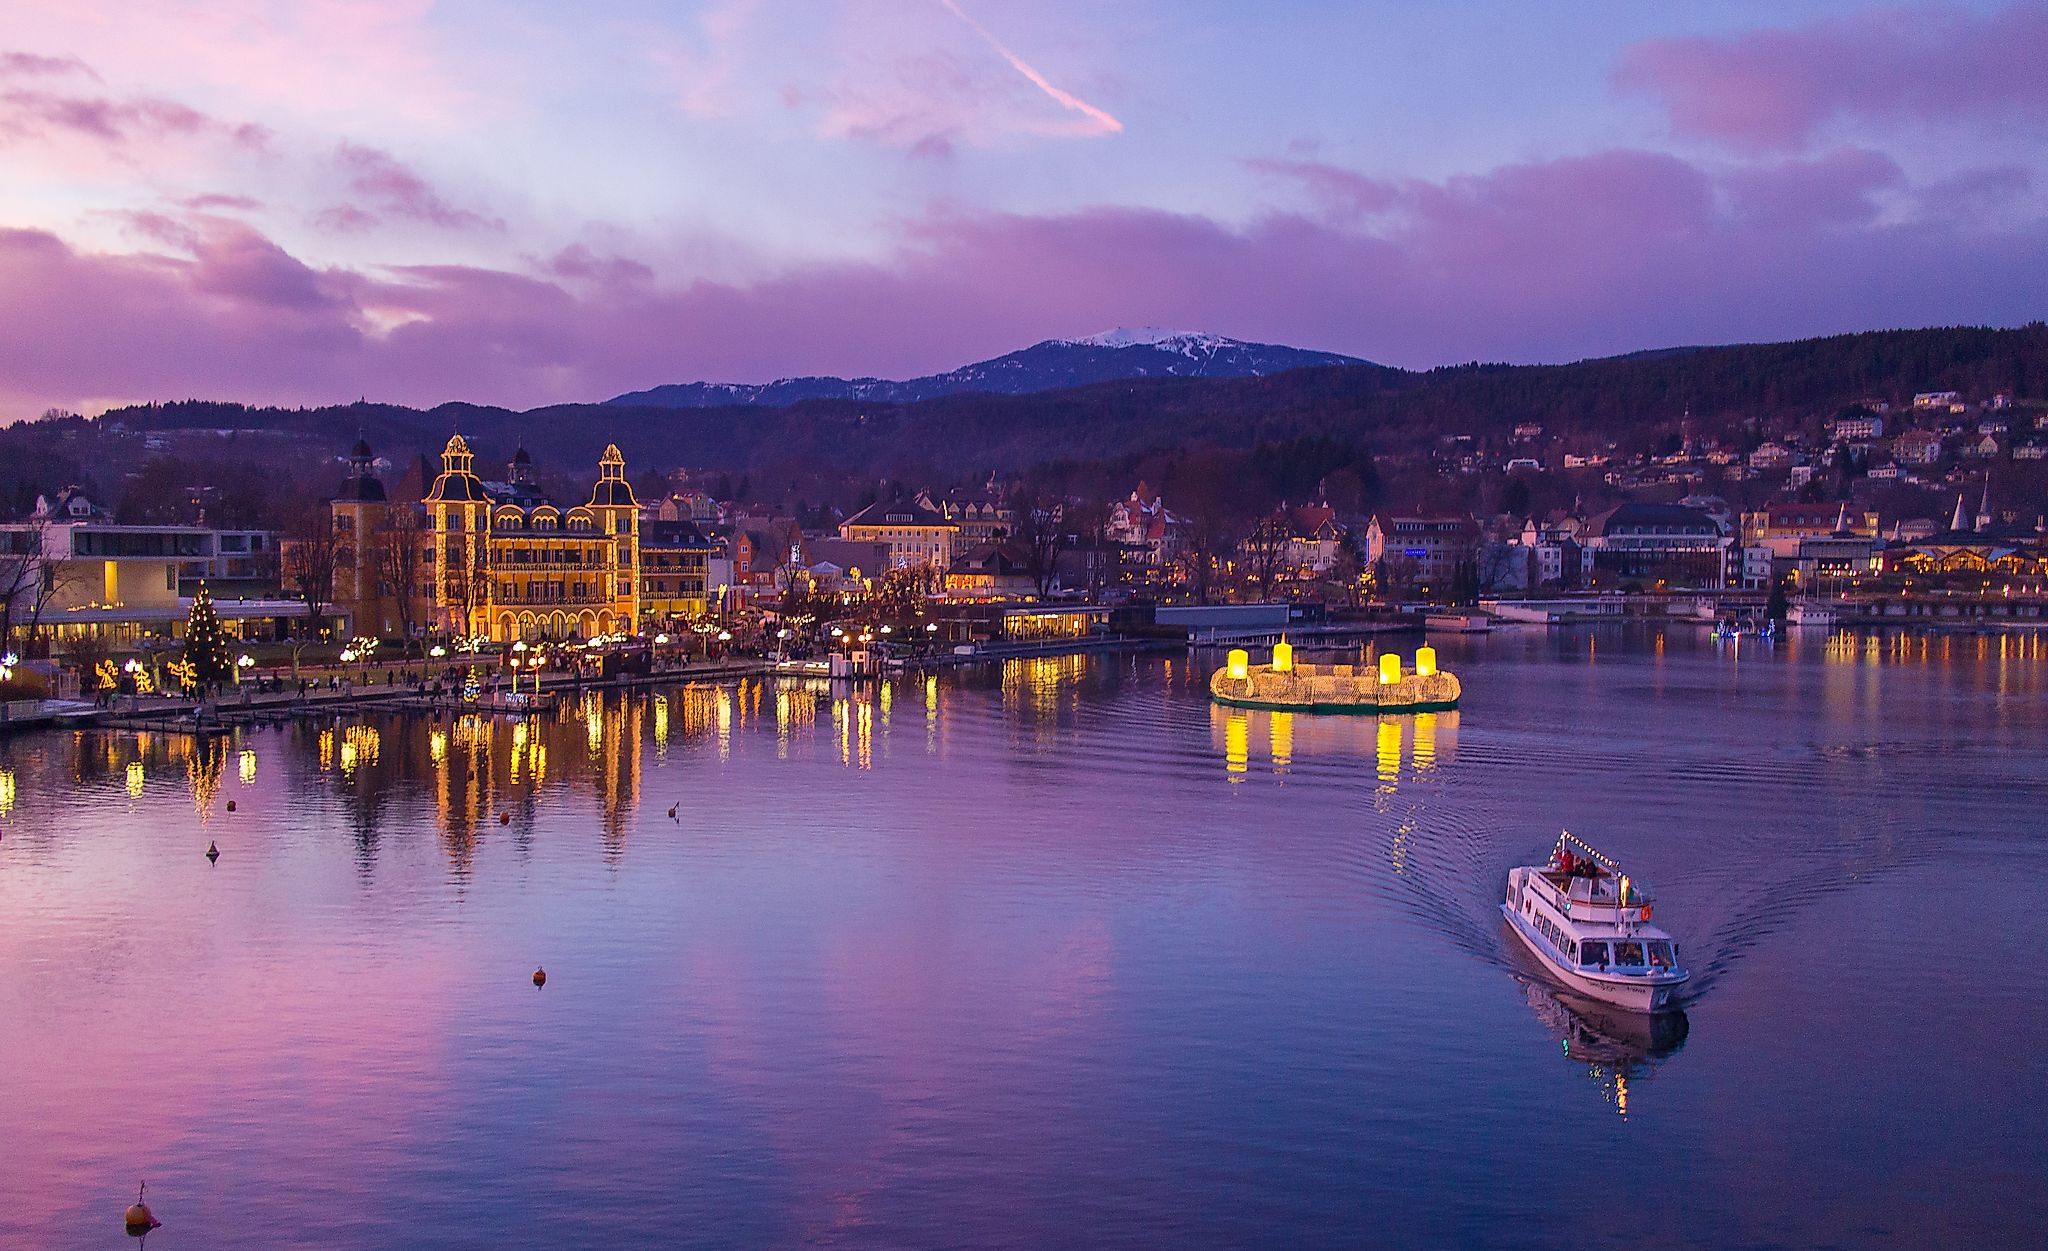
<point x="1388" y="410"/>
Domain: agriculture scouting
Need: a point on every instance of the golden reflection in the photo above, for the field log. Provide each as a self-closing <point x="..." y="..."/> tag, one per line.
<point x="135" y="777"/>
<point x="1424" y="754"/>
<point x="205" y="761"/>
<point x="1236" y="746"/>
<point x="931" y="713"/>
<point x="326" y="750"/>
<point x="360" y="745"/>
<point x="724" y="725"/>
<point x="6" y="791"/>
<point x="1291" y="738"/>
<point x="661" y="725"/>
<point x="1283" y="740"/>
<point x="437" y="745"/>
<point x="247" y="768"/>
<point x="1388" y="745"/>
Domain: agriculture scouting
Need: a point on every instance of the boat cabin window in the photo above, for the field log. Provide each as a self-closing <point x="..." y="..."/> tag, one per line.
<point x="1628" y="954"/>
<point x="1660" y="955"/>
<point x="1592" y="953"/>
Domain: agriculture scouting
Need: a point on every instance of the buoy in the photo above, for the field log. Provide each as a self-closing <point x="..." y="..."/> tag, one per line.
<point x="212" y="852"/>
<point x="540" y="977"/>
<point x="138" y="1218"/>
<point x="672" y="811"/>
<point x="504" y="818"/>
<point x="231" y="805"/>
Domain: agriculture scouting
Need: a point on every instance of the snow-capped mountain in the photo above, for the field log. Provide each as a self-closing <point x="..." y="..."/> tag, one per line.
<point x="1049" y="366"/>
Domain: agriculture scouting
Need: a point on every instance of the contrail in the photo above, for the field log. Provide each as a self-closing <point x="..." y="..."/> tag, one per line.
<point x="1102" y="123"/>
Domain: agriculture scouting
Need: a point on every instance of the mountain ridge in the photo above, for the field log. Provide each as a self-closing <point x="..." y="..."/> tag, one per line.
<point x="1049" y="365"/>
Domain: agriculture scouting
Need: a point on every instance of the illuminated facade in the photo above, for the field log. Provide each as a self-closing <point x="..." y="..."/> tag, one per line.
<point x="915" y="534"/>
<point x="509" y="564"/>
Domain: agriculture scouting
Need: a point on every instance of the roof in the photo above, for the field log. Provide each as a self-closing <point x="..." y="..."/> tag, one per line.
<point x="1669" y="518"/>
<point x="897" y="513"/>
<point x="612" y="493"/>
<point x="999" y="559"/>
<point x="458" y="488"/>
<point x="676" y="535"/>
<point x="360" y="489"/>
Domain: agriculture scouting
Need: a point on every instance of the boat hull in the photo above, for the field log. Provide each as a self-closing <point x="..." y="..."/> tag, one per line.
<point x="1637" y="994"/>
<point x="1368" y="710"/>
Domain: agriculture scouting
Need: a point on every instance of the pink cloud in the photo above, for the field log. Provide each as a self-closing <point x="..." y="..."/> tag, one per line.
<point x="394" y="189"/>
<point x="1338" y="191"/>
<point x="27" y="63"/>
<point x="36" y="113"/>
<point x="1775" y="89"/>
<point x="1539" y="261"/>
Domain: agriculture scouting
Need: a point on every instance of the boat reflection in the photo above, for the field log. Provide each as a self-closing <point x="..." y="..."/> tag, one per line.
<point x="1253" y="740"/>
<point x="1613" y="1047"/>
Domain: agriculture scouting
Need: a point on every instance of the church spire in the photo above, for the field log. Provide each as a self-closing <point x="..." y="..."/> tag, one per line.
<point x="1960" y="521"/>
<point x="1984" y="506"/>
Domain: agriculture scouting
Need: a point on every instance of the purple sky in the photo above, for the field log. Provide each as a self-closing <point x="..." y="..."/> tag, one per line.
<point x="522" y="203"/>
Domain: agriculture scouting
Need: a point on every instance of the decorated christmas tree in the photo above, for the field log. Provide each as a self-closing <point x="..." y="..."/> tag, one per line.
<point x="206" y="646"/>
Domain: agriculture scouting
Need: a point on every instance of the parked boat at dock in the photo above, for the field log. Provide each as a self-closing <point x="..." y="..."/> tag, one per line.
<point x="1588" y="924"/>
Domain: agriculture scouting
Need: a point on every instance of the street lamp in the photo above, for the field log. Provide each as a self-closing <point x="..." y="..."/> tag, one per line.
<point x="437" y="651"/>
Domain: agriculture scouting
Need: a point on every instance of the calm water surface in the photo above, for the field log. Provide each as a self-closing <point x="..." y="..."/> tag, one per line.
<point x="1048" y="955"/>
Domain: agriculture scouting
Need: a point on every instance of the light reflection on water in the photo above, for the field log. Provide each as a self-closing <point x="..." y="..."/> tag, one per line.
<point x="1054" y="953"/>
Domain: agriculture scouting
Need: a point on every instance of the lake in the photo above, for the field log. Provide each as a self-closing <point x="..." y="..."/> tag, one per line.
<point x="1046" y="954"/>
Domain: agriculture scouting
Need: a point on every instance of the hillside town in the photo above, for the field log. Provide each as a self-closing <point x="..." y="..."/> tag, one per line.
<point x="1926" y="510"/>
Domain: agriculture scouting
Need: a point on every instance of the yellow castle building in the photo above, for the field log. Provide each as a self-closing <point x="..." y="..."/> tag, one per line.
<point x="511" y="564"/>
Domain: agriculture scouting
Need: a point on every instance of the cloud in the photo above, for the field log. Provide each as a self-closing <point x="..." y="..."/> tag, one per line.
<point x="59" y="116"/>
<point x="1339" y="192"/>
<point x="393" y="189"/>
<point x="1772" y="90"/>
<point x="23" y="64"/>
<point x="1544" y="260"/>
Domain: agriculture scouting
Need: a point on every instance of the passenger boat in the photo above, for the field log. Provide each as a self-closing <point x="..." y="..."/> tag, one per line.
<point x="1588" y="924"/>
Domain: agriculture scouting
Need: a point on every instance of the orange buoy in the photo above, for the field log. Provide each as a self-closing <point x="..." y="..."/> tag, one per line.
<point x="138" y="1218"/>
<point x="540" y="977"/>
<point x="231" y="805"/>
<point x="504" y="818"/>
<point x="212" y="852"/>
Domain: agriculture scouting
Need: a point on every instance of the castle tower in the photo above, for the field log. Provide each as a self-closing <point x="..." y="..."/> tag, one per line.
<point x="520" y="471"/>
<point x="358" y="510"/>
<point x="458" y="512"/>
<point x="618" y="516"/>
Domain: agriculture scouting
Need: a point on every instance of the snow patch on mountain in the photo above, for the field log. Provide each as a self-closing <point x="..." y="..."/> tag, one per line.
<point x="1055" y="364"/>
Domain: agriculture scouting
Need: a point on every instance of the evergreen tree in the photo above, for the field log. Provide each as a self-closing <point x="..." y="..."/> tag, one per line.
<point x="206" y="645"/>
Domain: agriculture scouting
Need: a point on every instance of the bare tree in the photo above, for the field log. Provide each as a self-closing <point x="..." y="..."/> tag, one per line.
<point x="466" y="574"/>
<point x="1265" y="551"/>
<point x="309" y="557"/>
<point x="1039" y="524"/>
<point x="398" y="558"/>
<point x="29" y="580"/>
<point x="1210" y="491"/>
